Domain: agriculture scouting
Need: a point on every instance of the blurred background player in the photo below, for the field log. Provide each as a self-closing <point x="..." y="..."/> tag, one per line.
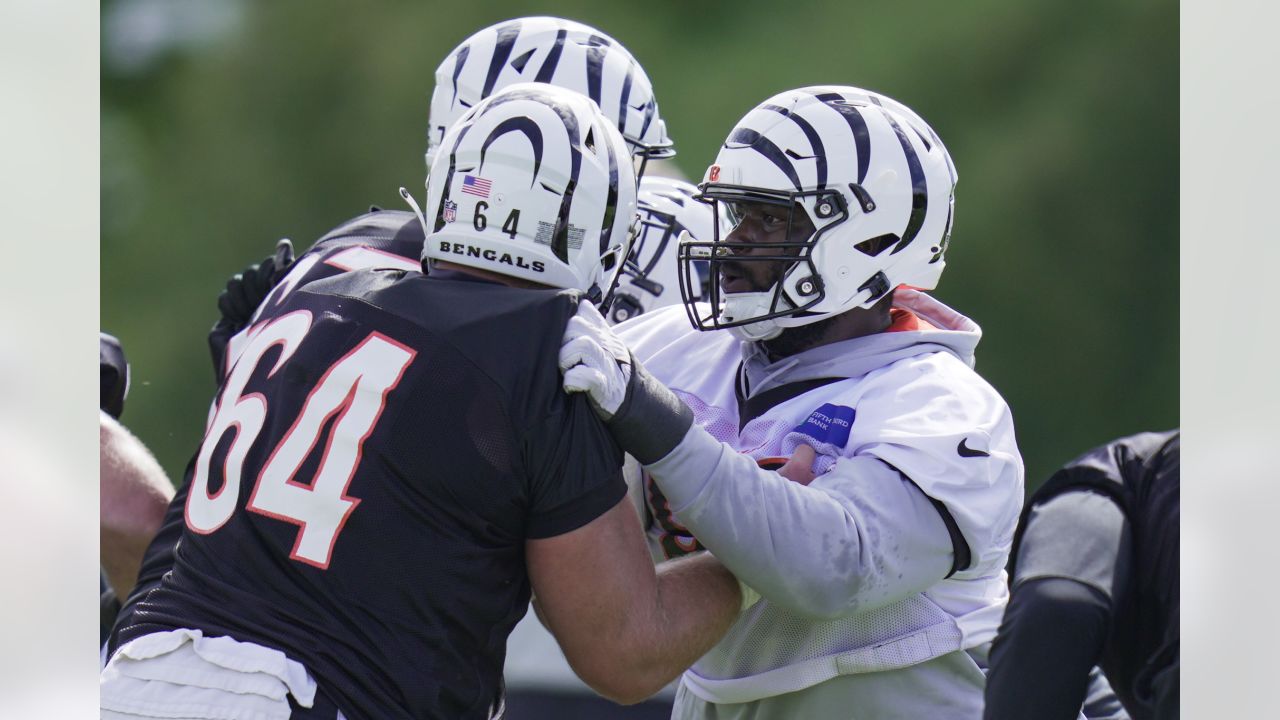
<point x="1095" y="580"/>
<point x="134" y="490"/>
<point x="381" y="485"/>
<point x="883" y="578"/>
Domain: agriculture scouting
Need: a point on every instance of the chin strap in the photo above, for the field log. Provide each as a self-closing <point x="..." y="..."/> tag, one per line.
<point x="751" y="305"/>
<point x="422" y="220"/>
<point x="757" y="331"/>
<point x="417" y="211"/>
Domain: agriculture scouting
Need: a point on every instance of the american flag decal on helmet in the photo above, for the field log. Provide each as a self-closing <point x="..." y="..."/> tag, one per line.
<point x="477" y="186"/>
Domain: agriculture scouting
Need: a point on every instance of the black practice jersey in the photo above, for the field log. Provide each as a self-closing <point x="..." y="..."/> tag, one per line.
<point x="376" y="239"/>
<point x="380" y="450"/>
<point x="1140" y="474"/>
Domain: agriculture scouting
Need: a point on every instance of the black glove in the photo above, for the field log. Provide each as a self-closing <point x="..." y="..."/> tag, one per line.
<point x="113" y="372"/>
<point x="244" y="293"/>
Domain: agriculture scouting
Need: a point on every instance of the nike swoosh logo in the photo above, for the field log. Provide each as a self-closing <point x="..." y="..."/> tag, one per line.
<point x="966" y="451"/>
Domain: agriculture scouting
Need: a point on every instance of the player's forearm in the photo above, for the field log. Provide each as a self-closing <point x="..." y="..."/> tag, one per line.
<point x="625" y="628"/>
<point x="697" y="601"/>
<point x="134" y="488"/>
<point x="121" y="559"/>
<point x="135" y="493"/>
<point x="857" y="537"/>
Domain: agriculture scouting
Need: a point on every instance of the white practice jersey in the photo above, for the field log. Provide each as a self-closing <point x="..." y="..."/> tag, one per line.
<point x="859" y="571"/>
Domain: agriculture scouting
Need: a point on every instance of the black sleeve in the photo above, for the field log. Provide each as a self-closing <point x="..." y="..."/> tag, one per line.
<point x="575" y="470"/>
<point x="1051" y="635"/>
<point x="1072" y="563"/>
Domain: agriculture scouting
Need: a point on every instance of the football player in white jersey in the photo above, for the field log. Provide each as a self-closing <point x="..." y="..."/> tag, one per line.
<point x="881" y="569"/>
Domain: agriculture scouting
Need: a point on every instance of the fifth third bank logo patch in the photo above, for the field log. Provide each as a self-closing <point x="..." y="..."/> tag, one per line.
<point x="829" y="424"/>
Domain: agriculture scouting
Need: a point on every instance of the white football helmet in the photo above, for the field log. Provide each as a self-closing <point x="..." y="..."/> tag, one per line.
<point x="555" y="51"/>
<point x="533" y="183"/>
<point x="668" y="211"/>
<point x="873" y="178"/>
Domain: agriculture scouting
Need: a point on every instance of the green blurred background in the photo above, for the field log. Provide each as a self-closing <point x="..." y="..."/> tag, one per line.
<point x="228" y="124"/>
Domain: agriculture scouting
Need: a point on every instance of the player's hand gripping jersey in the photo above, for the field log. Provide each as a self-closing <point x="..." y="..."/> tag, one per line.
<point x="851" y="584"/>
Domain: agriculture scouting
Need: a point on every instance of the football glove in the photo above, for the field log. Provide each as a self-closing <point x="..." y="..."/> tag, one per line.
<point x="595" y="361"/>
<point x="644" y="417"/>
<point x="245" y="291"/>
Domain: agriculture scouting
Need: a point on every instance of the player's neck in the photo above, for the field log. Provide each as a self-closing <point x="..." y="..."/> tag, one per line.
<point x="489" y="275"/>
<point x="845" y="326"/>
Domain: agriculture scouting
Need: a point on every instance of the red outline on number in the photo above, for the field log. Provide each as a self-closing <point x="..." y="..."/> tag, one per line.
<point x="261" y="398"/>
<point x="343" y="408"/>
<point x="399" y="262"/>
<point x="186" y="508"/>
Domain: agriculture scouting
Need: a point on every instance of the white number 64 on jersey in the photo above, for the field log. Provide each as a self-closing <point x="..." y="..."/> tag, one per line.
<point x="354" y="388"/>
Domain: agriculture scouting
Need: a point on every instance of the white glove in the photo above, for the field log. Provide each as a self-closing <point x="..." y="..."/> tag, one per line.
<point x="595" y="361"/>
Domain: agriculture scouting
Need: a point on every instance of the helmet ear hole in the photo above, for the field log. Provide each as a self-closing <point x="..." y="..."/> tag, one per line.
<point x="877" y="245"/>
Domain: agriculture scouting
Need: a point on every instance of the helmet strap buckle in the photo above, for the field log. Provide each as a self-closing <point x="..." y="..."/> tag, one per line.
<point x="877" y="284"/>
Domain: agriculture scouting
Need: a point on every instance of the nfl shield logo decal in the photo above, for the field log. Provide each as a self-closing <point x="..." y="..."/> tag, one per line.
<point x="450" y="211"/>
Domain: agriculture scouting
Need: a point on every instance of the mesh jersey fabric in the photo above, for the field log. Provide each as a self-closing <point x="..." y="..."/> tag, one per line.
<point x="907" y="404"/>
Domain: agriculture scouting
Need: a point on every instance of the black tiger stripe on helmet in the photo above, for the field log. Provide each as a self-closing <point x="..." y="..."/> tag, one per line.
<point x="919" y="185"/>
<point x="507" y="35"/>
<point x="857" y="126"/>
<point x="548" y="68"/>
<point x="878" y="197"/>
<point x="551" y="205"/>
<point x="557" y="52"/>
<point x="746" y="137"/>
<point x="819" y="152"/>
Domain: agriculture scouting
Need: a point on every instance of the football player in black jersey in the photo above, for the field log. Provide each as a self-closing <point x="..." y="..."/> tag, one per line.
<point x="550" y="50"/>
<point x="1095" y="580"/>
<point x="391" y="467"/>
